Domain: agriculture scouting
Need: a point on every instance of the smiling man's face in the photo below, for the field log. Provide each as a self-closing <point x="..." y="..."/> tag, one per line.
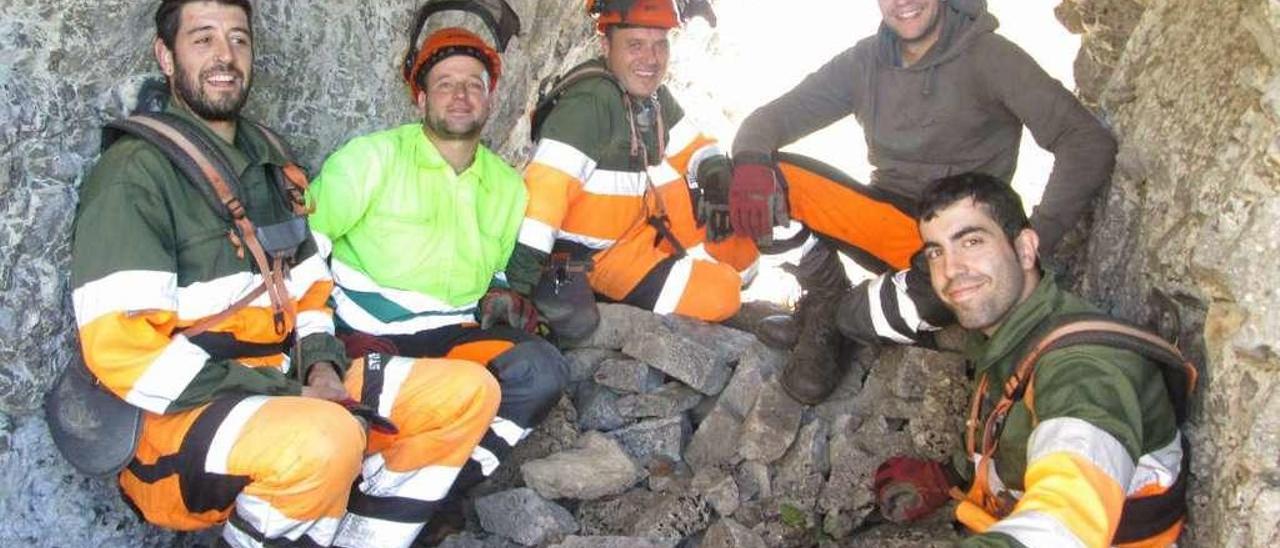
<point x="911" y="20"/>
<point x="211" y="63"/>
<point x="975" y="269"/>
<point x="638" y="57"/>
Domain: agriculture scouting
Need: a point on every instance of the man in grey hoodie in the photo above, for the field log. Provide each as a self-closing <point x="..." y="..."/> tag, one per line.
<point x="936" y="92"/>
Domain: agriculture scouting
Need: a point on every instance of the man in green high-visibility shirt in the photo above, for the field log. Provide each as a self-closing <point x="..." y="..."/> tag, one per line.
<point x="422" y="219"/>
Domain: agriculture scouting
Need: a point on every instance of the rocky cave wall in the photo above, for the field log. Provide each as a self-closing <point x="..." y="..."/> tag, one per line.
<point x="1189" y="231"/>
<point x="1186" y="238"/>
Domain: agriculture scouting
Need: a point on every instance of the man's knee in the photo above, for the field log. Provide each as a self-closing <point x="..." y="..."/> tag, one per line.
<point x="533" y="376"/>
<point x="327" y="444"/>
<point x="713" y="293"/>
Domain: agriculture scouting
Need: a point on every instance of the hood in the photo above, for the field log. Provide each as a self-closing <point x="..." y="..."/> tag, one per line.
<point x="963" y="21"/>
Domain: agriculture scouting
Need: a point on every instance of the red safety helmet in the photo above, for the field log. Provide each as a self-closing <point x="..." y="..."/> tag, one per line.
<point x="447" y="42"/>
<point x="660" y="14"/>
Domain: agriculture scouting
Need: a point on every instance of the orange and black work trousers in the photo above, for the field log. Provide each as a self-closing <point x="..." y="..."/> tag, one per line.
<point x="878" y="231"/>
<point x="530" y="371"/>
<point x="279" y="470"/>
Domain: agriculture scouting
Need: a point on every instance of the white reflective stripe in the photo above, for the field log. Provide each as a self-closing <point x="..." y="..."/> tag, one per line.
<point x="589" y="241"/>
<point x="1036" y="529"/>
<point x="237" y="538"/>
<point x="428" y="484"/>
<point x="487" y="460"/>
<point x="306" y="274"/>
<point x="168" y="375"/>
<point x="500" y="276"/>
<point x="358" y="531"/>
<point x="698" y="157"/>
<point x="394" y="373"/>
<point x="360" y="320"/>
<point x="749" y="273"/>
<point x="699" y="252"/>
<point x="1160" y="467"/>
<point x="673" y="287"/>
<point x="510" y="432"/>
<point x="324" y="246"/>
<point x="311" y="322"/>
<point x="663" y="174"/>
<point x="125" y="291"/>
<point x="224" y="438"/>
<point x="324" y="530"/>
<point x="537" y="234"/>
<point x="907" y="309"/>
<point x="564" y="157"/>
<point x="348" y="277"/>
<point x="273" y="524"/>
<point x="604" y="182"/>
<point x="878" y="319"/>
<point x="1080" y="438"/>
<point x="681" y="136"/>
<point x="204" y="299"/>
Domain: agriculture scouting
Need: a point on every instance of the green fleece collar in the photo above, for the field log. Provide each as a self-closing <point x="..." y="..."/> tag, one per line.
<point x="1022" y="322"/>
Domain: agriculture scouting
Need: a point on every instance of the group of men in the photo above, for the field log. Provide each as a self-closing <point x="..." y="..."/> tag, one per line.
<point x="408" y="306"/>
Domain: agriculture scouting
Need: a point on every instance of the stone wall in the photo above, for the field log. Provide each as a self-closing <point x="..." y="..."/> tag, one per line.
<point x="1190" y="227"/>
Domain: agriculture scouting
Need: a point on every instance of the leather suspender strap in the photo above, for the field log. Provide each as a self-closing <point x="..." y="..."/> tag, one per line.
<point x="184" y="142"/>
<point x="210" y="321"/>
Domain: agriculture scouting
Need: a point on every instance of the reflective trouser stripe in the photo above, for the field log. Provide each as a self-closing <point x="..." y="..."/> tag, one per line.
<point x="194" y="468"/>
<point x="851" y="216"/>
<point x="442" y="408"/>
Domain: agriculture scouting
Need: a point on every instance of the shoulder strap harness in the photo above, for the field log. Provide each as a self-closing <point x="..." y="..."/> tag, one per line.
<point x="209" y="171"/>
<point x="1142" y="517"/>
<point x="551" y="89"/>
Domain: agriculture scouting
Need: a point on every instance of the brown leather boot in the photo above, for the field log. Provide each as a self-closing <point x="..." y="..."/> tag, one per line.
<point x="814" y="369"/>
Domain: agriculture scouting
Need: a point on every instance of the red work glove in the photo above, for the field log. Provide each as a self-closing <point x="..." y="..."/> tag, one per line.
<point x="909" y="488"/>
<point x="750" y="209"/>
<point x="504" y="306"/>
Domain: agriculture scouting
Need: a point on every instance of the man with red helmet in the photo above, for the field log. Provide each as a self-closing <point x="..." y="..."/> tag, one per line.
<point x="617" y="173"/>
<point x="422" y="219"/>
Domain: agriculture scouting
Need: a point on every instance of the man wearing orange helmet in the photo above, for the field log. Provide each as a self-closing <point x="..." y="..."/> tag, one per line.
<point x="617" y="174"/>
<point x="422" y="219"/>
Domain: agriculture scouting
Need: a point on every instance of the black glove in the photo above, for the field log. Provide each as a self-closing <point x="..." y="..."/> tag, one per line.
<point x="711" y="202"/>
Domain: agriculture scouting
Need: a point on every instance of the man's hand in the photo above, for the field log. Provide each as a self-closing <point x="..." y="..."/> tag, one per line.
<point x="323" y="383"/>
<point x="712" y="209"/>
<point x="750" y="209"/>
<point x="909" y="488"/>
<point x="504" y="306"/>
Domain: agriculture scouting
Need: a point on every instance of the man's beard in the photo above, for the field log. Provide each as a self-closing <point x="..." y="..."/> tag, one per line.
<point x="440" y="128"/>
<point x="225" y="108"/>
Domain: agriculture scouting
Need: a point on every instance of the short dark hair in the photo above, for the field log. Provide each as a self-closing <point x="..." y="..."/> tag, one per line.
<point x="169" y="16"/>
<point x="996" y="197"/>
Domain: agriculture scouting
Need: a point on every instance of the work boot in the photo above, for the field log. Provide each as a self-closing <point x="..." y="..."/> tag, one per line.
<point x="819" y="271"/>
<point x="813" y="369"/>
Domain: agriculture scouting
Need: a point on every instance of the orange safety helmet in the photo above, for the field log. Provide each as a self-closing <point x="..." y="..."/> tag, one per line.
<point x="660" y="14"/>
<point x="447" y="42"/>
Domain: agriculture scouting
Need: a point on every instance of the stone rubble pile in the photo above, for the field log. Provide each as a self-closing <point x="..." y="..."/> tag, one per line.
<point x="675" y="433"/>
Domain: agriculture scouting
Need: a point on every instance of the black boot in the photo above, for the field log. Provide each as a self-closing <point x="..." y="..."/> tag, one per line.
<point x="814" y="369"/>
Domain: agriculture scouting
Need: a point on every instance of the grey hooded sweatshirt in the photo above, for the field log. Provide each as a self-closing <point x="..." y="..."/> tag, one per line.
<point x="960" y="108"/>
